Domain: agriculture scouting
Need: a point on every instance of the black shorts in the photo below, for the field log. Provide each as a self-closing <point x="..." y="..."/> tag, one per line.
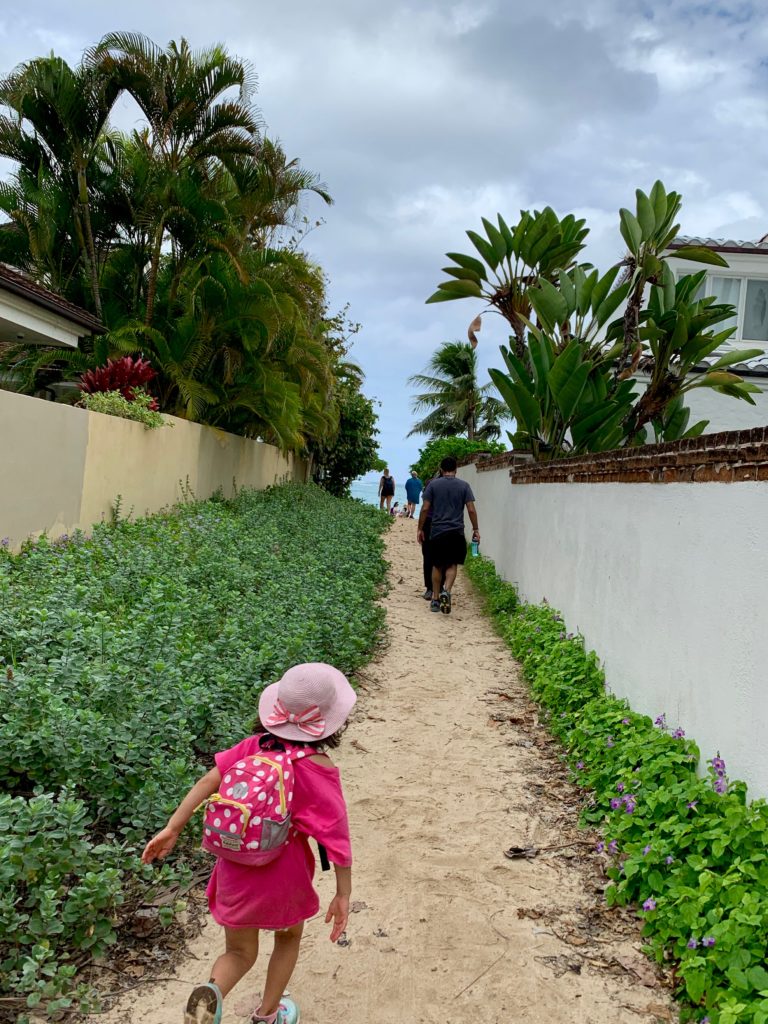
<point x="449" y="548"/>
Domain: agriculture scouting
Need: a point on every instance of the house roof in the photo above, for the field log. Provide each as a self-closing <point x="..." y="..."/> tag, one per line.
<point x="18" y="284"/>
<point x="723" y="244"/>
<point x="757" y="367"/>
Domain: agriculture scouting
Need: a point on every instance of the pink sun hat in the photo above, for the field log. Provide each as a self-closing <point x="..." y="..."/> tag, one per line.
<point x="311" y="702"/>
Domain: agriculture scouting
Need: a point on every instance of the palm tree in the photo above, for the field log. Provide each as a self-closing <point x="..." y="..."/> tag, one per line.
<point x="55" y="128"/>
<point x="456" y="404"/>
<point x="192" y="126"/>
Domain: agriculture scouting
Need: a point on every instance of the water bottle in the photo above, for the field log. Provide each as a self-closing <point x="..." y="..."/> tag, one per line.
<point x="475" y="548"/>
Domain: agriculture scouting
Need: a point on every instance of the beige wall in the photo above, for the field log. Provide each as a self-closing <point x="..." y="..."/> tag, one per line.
<point x="63" y="468"/>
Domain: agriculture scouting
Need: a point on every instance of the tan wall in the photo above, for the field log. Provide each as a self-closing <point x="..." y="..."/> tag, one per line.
<point x="63" y="468"/>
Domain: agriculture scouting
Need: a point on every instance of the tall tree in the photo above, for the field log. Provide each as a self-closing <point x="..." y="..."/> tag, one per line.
<point x="457" y="404"/>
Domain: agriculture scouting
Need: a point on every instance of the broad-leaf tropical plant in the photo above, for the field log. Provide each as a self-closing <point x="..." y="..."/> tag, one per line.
<point x="513" y="259"/>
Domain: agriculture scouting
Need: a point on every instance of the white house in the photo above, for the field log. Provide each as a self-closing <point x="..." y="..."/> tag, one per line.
<point x="745" y="285"/>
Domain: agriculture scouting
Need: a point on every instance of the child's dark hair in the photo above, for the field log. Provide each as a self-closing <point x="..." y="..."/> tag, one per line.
<point x="330" y="742"/>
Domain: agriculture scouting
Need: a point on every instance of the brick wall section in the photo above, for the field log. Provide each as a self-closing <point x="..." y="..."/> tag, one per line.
<point x="729" y="457"/>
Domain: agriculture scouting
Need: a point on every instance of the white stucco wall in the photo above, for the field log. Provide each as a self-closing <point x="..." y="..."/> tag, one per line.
<point x="668" y="584"/>
<point x="62" y="468"/>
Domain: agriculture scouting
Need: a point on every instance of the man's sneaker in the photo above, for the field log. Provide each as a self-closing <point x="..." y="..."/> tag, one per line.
<point x="445" y="602"/>
<point x="204" y="1006"/>
<point x="427" y="595"/>
<point x="434" y="606"/>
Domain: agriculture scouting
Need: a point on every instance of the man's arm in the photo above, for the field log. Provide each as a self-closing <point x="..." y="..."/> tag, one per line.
<point x="473" y="519"/>
<point x="425" y="507"/>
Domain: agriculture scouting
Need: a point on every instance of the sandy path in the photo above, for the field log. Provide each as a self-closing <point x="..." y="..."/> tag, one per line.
<point x="444" y="768"/>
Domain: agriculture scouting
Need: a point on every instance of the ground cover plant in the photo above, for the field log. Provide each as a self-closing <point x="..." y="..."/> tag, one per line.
<point x="126" y="659"/>
<point x="685" y="847"/>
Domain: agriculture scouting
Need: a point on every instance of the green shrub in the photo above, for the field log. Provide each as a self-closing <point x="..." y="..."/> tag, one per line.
<point x="126" y="660"/>
<point x="113" y="403"/>
<point x="689" y="850"/>
<point x="433" y="453"/>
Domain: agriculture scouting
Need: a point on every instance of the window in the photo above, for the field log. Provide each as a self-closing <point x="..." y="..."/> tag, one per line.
<point x="754" y="325"/>
<point x="750" y="297"/>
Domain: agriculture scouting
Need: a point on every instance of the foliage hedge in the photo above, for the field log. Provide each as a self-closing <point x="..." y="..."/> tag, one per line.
<point x="126" y="659"/>
<point x="686" y="848"/>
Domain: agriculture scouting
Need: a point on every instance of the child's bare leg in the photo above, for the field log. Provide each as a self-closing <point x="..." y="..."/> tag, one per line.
<point x="240" y="956"/>
<point x="281" y="965"/>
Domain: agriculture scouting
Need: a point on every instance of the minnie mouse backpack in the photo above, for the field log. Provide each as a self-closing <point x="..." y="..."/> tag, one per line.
<point x="249" y="820"/>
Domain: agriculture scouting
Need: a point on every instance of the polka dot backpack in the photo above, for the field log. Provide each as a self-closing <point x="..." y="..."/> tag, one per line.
<point x="249" y="819"/>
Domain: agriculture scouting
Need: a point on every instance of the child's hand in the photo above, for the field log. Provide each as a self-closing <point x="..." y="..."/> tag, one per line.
<point x="160" y="845"/>
<point x="339" y="913"/>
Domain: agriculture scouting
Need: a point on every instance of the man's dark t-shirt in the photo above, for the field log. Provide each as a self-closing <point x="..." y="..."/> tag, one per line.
<point x="448" y="496"/>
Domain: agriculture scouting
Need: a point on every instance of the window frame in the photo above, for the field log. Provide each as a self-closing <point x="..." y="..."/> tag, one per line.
<point x="738" y="338"/>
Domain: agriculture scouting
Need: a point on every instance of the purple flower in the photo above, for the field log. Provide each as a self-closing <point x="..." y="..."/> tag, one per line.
<point x="704" y="1020"/>
<point x="613" y="846"/>
<point x="615" y="804"/>
<point x="5" y="542"/>
<point x="720" y="786"/>
<point x="646" y="850"/>
<point x="692" y="943"/>
<point x="678" y="734"/>
<point x="692" y="805"/>
<point x="650" y="904"/>
<point x="708" y="941"/>
<point x="569" y="636"/>
<point x="629" y="806"/>
<point x="719" y="765"/>
<point x="600" y="847"/>
<point x="620" y="787"/>
<point x="580" y="765"/>
<point x="661" y="721"/>
<point x="625" y="721"/>
<point x="669" y="860"/>
<point x="609" y="742"/>
<point x="562" y="636"/>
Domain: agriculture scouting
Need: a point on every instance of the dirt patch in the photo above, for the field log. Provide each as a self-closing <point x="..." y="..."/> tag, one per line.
<point x="445" y="768"/>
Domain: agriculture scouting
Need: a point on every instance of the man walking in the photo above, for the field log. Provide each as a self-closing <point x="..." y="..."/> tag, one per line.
<point x="413" y="489"/>
<point x="445" y="498"/>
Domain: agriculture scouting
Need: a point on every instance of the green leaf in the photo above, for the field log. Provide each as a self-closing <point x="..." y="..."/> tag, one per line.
<point x="736" y="357"/>
<point x="658" y="199"/>
<point x="630" y="231"/>
<point x="441" y="296"/>
<point x="517" y="369"/>
<point x="700" y="254"/>
<point x="697" y="429"/>
<point x="611" y="303"/>
<point x="602" y="285"/>
<point x="758" y="977"/>
<point x="646" y="217"/>
<point x="496" y="239"/>
<point x="507" y="235"/>
<point x="523" y="406"/>
<point x="468" y="263"/>
<point x="549" y="304"/>
<point x="567" y="379"/>
<point x="485" y="249"/>
<point x="461" y="274"/>
<point x="462" y="289"/>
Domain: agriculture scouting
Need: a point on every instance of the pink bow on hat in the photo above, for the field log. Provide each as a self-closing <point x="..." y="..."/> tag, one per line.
<point x="310" y="721"/>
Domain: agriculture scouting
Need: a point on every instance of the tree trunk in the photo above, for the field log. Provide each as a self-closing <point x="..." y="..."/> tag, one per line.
<point x="154" y="270"/>
<point x="90" y="247"/>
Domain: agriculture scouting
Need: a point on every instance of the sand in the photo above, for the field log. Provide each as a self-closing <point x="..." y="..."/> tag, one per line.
<point x="445" y="767"/>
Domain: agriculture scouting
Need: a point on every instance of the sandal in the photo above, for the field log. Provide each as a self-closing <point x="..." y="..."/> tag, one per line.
<point x="204" y="1005"/>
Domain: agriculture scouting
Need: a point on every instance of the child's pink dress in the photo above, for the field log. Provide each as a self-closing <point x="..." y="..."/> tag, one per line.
<point x="280" y="894"/>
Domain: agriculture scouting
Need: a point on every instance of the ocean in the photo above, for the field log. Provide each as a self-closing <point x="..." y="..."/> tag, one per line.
<point x="366" y="490"/>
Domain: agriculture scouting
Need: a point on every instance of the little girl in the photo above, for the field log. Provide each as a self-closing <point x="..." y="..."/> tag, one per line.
<point x="308" y="706"/>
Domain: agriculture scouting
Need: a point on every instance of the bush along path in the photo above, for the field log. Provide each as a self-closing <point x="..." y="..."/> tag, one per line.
<point x="687" y="850"/>
<point x="446" y="766"/>
<point x="125" y="660"/>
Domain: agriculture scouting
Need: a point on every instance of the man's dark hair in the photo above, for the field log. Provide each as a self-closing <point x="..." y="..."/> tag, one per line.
<point x="449" y="464"/>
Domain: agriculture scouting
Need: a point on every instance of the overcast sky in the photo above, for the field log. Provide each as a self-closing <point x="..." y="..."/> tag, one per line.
<point x="423" y="117"/>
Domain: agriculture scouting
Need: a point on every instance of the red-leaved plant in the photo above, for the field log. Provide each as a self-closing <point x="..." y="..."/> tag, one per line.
<point x="123" y="375"/>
